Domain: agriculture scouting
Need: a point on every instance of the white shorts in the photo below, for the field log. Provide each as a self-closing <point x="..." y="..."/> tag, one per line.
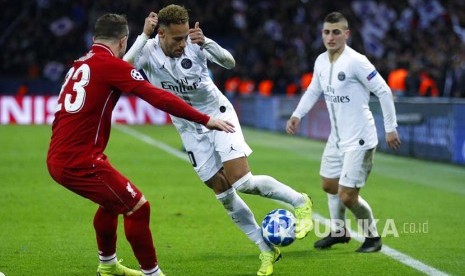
<point x="207" y="151"/>
<point x="352" y="167"/>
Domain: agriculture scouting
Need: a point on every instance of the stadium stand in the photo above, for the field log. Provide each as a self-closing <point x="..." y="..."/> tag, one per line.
<point x="276" y="40"/>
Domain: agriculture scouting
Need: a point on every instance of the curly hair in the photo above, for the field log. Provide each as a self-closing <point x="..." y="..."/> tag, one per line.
<point x="173" y="14"/>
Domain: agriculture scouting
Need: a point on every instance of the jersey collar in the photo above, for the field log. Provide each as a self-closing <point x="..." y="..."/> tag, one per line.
<point x="99" y="47"/>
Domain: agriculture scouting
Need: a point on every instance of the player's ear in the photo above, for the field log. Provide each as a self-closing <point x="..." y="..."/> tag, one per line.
<point x="347" y="32"/>
<point x="123" y="43"/>
<point x="161" y="32"/>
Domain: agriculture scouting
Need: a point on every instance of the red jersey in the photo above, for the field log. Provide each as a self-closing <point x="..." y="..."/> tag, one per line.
<point x="91" y="89"/>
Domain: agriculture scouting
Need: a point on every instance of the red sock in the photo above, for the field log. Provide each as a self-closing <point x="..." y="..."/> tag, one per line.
<point x="105" y="225"/>
<point x="136" y="227"/>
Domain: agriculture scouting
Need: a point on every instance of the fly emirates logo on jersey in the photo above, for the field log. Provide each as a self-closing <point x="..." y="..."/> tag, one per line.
<point x="330" y="97"/>
<point x="181" y="85"/>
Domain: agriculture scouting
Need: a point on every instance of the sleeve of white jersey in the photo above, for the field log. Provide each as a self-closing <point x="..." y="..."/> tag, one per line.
<point x="309" y="98"/>
<point x="134" y="52"/>
<point x="215" y="53"/>
<point x="375" y="83"/>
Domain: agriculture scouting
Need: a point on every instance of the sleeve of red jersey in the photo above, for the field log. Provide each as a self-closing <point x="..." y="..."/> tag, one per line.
<point x="127" y="79"/>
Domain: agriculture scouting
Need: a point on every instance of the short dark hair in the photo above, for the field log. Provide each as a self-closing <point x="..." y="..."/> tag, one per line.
<point x="336" y="17"/>
<point x="111" y="26"/>
<point x="173" y="14"/>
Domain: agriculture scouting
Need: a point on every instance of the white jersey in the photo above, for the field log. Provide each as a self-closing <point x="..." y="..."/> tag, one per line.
<point x="187" y="77"/>
<point x="346" y="85"/>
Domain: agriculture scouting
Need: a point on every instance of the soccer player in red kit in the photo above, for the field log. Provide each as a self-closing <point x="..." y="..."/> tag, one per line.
<point x="80" y="133"/>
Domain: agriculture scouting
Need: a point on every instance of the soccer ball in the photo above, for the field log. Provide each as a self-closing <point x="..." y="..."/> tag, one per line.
<point x="278" y="227"/>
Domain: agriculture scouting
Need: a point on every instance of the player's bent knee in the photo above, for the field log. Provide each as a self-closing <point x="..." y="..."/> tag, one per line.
<point x="330" y="186"/>
<point x="329" y="190"/>
<point x="348" y="199"/>
<point x="218" y="183"/>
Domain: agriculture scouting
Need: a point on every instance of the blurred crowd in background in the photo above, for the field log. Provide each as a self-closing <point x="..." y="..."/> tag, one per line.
<point x="417" y="45"/>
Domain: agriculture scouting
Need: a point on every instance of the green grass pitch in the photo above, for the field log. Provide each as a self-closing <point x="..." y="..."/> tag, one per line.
<point x="47" y="230"/>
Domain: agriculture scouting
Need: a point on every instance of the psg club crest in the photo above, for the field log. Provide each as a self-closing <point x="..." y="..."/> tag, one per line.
<point x="186" y="63"/>
<point x="341" y="76"/>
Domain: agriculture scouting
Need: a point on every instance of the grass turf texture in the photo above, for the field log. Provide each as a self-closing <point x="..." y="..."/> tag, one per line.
<point x="47" y="230"/>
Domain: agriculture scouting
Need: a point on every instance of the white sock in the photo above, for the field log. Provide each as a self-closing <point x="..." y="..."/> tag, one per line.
<point x="337" y="212"/>
<point x="243" y="217"/>
<point x="362" y="211"/>
<point x="152" y="272"/>
<point x="269" y="187"/>
<point x="108" y="260"/>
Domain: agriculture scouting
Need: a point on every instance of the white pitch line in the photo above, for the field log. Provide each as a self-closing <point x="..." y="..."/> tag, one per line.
<point x="386" y="250"/>
<point x="149" y="140"/>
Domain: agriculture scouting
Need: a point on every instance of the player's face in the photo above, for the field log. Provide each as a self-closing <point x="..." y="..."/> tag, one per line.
<point x="173" y="39"/>
<point x="334" y="36"/>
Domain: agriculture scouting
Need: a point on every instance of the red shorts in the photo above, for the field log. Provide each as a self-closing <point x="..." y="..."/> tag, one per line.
<point x="102" y="184"/>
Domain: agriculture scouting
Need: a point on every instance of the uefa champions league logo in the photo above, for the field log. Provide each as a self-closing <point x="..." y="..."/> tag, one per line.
<point x="136" y="75"/>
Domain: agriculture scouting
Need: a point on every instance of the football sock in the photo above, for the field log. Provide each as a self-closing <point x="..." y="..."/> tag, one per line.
<point x="243" y="217"/>
<point x="152" y="272"/>
<point x="136" y="228"/>
<point x="337" y="212"/>
<point x="105" y="224"/>
<point x="269" y="187"/>
<point x="107" y="260"/>
<point x="364" y="215"/>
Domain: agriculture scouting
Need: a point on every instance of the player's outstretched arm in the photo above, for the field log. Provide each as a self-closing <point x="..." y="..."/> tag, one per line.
<point x="174" y="105"/>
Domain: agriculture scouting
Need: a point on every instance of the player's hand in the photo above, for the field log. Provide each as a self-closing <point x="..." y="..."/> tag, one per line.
<point x="292" y="125"/>
<point x="196" y="35"/>
<point x="221" y="125"/>
<point x="151" y="22"/>
<point x="392" y="139"/>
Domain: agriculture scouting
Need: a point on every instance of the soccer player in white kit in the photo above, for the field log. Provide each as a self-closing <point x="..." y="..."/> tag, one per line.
<point x="346" y="78"/>
<point x="176" y="60"/>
